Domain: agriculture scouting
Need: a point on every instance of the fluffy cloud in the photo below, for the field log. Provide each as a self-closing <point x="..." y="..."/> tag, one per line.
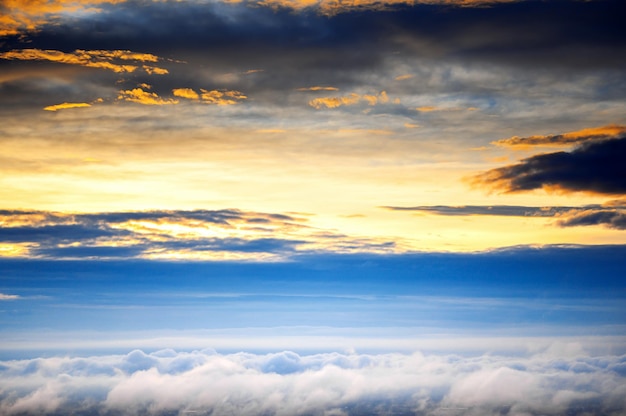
<point x="596" y="167"/>
<point x="286" y="383"/>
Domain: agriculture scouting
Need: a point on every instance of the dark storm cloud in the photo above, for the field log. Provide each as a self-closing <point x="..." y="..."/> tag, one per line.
<point x="597" y="167"/>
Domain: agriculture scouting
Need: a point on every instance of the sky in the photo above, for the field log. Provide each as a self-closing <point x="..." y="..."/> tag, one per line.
<point x="312" y="207"/>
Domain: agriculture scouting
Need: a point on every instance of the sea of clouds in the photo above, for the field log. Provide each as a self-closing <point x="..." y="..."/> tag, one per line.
<point x="205" y="382"/>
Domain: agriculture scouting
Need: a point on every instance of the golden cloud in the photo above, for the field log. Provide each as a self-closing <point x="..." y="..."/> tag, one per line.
<point x="64" y="106"/>
<point x="225" y="97"/>
<point x="564" y="139"/>
<point x="138" y="95"/>
<point x="21" y="16"/>
<point x="187" y="93"/>
<point x="352" y="99"/>
<point x="114" y="60"/>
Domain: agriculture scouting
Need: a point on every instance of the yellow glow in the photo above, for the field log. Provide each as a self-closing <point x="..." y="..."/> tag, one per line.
<point x="14" y="249"/>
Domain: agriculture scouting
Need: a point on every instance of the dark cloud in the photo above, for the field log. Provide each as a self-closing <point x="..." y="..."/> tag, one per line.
<point x="610" y="218"/>
<point x="56" y="234"/>
<point x="593" y="167"/>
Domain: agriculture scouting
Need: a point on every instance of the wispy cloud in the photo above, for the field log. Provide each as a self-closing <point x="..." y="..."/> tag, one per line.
<point x="64" y="106"/>
<point x="113" y="60"/>
<point x="201" y="234"/>
<point x="4" y="296"/>
<point x="611" y="216"/>
<point x="564" y="139"/>
<point x="347" y="100"/>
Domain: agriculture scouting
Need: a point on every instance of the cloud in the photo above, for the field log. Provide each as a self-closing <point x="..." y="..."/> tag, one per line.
<point x="330" y="8"/>
<point x="187" y="93"/>
<point x="19" y="16"/>
<point x="565" y="139"/>
<point x="347" y="100"/>
<point x="4" y="296"/>
<point x="221" y="97"/>
<point x="138" y="95"/>
<point x="200" y="234"/>
<point x="113" y="60"/>
<point x="611" y="215"/>
<point x="497" y="210"/>
<point x="218" y="97"/>
<point x="596" y="167"/>
<point x="64" y="106"/>
<point x="318" y="88"/>
<point x="286" y="383"/>
<point x="610" y="218"/>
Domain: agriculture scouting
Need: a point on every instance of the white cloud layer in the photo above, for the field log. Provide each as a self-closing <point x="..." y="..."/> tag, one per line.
<point x="167" y="382"/>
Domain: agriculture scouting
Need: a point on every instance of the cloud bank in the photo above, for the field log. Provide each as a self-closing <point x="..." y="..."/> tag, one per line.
<point x="166" y="382"/>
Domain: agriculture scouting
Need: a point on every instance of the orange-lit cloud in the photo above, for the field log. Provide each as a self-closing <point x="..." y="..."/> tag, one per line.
<point x="218" y="97"/>
<point x="352" y="99"/>
<point x="427" y="109"/>
<point x="403" y="77"/>
<point x="225" y="97"/>
<point x="138" y="95"/>
<point x="564" y="139"/>
<point x="64" y="106"/>
<point x="318" y="88"/>
<point x="114" y="60"/>
<point x="187" y="93"/>
<point x="20" y="16"/>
